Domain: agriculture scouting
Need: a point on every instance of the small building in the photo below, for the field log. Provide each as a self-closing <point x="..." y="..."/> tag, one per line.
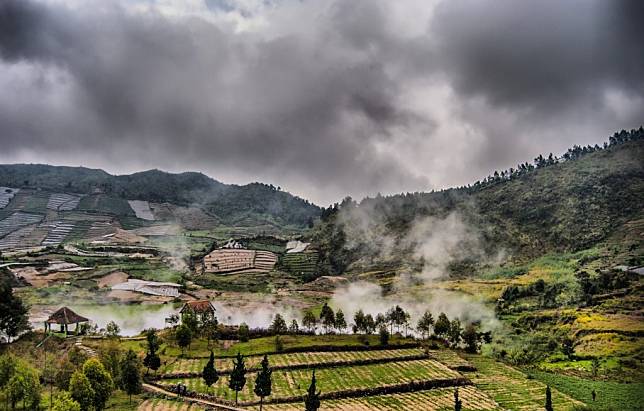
<point x="149" y="287"/>
<point x="64" y="316"/>
<point x="202" y="309"/>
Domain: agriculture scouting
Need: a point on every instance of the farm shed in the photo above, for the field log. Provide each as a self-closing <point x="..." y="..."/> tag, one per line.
<point x="64" y="316"/>
<point x="149" y="287"/>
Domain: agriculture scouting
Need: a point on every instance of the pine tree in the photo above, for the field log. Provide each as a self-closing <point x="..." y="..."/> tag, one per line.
<point x="279" y="325"/>
<point x="425" y="323"/>
<point x="237" y="376"/>
<point x="131" y="374"/>
<point x="340" y="322"/>
<point x="152" y="360"/>
<point x="263" y="382"/>
<point x="327" y="317"/>
<point x="312" y="398"/>
<point x="14" y="315"/>
<point x="548" y="399"/>
<point x="458" y="404"/>
<point x="294" y="328"/>
<point x="309" y="320"/>
<point x="441" y="328"/>
<point x="209" y="374"/>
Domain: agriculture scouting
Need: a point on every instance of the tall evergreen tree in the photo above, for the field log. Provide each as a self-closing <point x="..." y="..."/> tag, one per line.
<point x="340" y="321"/>
<point x="131" y="374"/>
<point x="263" y="383"/>
<point x="309" y="320"/>
<point x="312" y="398"/>
<point x="441" y="328"/>
<point x="13" y="313"/>
<point x="209" y="373"/>
<point x="425" y="323"/>
<point x="237" y="376"/>
<point x="548" y="399"/>
<point x="279" y="325"/>
<point x="152" y="359"/>
<point x="327" y="317"/>
<point x="458" y="404"/>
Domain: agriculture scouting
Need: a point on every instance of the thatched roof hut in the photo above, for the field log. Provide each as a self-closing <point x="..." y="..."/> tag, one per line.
<point x="64" y="316"/>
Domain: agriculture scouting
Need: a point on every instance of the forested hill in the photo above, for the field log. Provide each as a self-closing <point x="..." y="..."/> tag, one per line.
<point x="228" y="202"/>
<point x="551" y="204"/>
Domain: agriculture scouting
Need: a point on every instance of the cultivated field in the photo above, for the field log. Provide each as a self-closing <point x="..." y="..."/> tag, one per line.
<point x="293" y="383"/>
<point x="438" y="399"/>
<point x="295" y="359"/>
<point x="141" y="209"/>
<point x="512" y="389"/>
<point x="157" y="404"/>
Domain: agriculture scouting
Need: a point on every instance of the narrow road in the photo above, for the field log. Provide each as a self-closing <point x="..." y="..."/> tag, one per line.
<point x="217" y="406"/>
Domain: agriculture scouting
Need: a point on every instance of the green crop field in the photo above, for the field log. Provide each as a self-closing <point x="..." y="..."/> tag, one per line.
<point x="439" y="399"/>
<point x="158" y="404"/>
<point x="181" y="365"/>
<point x="609" y="394"/>
<point x="287" y="383"/>
<point x="512" y="389"/>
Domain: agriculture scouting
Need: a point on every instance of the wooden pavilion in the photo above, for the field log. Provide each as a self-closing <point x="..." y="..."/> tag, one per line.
<point x="64" y="316"/>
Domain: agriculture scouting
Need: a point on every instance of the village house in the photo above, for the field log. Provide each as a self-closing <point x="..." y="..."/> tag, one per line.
<point x="203" y="310"/>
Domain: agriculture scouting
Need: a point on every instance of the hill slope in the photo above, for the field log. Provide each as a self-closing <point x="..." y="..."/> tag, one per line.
<point x="228" y="203"/>
<point x="565" y="205"/>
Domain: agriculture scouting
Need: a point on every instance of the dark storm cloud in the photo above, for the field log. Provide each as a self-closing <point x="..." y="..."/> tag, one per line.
<point x="545" y="54"/>
<point x="319" y="100"/>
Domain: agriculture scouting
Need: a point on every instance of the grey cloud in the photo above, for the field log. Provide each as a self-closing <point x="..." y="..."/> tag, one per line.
<point x="312" y="105"/>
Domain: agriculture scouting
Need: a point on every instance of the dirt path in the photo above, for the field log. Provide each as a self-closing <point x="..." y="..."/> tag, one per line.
<point x="217" y="406"/>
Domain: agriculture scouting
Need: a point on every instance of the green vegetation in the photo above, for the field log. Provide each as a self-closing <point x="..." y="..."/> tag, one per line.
<point x="609" y="394"/>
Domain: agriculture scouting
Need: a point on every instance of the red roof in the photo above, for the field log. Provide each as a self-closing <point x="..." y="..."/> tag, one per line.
<point x="200" y="306"/>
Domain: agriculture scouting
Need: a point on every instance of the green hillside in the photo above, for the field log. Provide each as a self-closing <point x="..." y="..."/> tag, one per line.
<point x="564" y="205"/>
<point x="251" y="204"/>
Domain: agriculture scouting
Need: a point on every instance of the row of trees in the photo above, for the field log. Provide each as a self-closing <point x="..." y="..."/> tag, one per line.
<point x="573" y="153"/>
<point x="451" y="331"/>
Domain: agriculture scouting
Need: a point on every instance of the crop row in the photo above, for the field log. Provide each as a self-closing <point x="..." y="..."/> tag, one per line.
<point x="427" y="400"/>
<point x="16" y="221"/>
<point x="6" y="194"/>
<point x="58" y="232"/>
<point x="293" y="359"/>
<point x="290" y="383"/>
<point x="165" y="405"/>
<point x="513" y="389"/>
<point x="63" y="202"/>
<point x="451" y="359"/>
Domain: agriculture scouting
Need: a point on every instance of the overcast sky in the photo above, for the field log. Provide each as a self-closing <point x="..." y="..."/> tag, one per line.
<point x="324" y="98"/>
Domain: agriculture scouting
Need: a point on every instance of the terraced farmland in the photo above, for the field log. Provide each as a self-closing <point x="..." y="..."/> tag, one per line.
<point x="157" y="404"/>
<point x="293" y="383"/>
<point x="512" y="389"/>
<point x="18" y="220"/>
<point x="63" y="202"/>
<point x="6" y="195"/>
<point x="58" y="231"/>
<point x="300" y="263"/>
<point x="294" y="359"/>
<point x="438" y="399"/>
<point x="141" y="209"/>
